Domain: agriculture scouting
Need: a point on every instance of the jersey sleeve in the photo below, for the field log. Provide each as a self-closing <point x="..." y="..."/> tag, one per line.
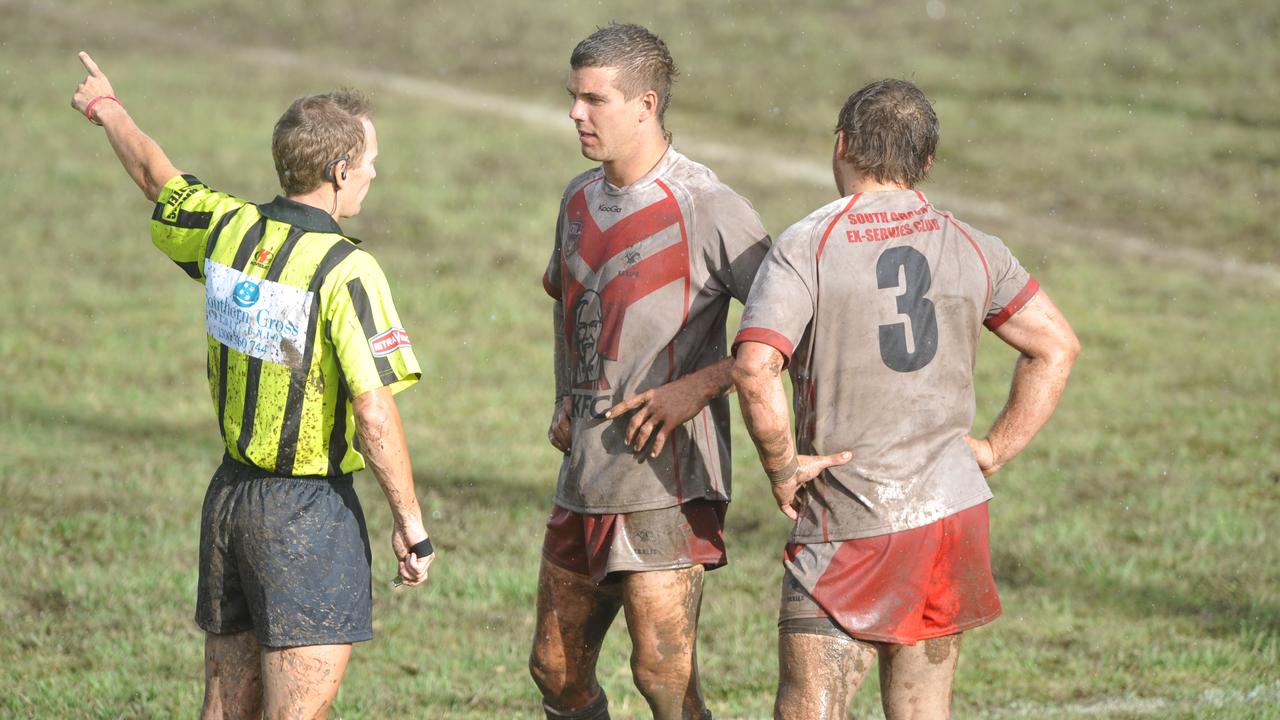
<point x="735" y="242"/>
<point x="1011" y="285"/>
<point x="551" y="277"/>
<point x="184" y="215"/>
<point x="780" y="305"/>
<point x="372" y="347"/>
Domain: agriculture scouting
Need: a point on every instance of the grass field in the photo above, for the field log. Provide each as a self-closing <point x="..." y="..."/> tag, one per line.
<point x="1127" y="154"/>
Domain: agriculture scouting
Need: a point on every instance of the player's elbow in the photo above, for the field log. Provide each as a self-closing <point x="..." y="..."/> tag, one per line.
<point x="1062" y="353"/>
<point x="1073" y="348"/>
<point x="371" y="420"/>
<point x="372" y="411"/>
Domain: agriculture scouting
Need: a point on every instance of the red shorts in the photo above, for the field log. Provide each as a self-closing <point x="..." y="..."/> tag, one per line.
<point x="901" y="587"/>
<point x="663" y="539"/>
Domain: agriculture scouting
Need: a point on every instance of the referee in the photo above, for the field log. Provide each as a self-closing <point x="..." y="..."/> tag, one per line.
<point x="305" y="351"/>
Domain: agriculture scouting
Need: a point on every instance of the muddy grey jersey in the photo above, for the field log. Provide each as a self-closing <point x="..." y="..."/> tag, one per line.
<point x="877" y="301"/>
<point x="643" y="275"/>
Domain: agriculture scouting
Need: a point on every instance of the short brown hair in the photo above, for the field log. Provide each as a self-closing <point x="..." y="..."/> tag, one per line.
<point x="315" y="131"/>
<point x="642" y="60"/>
<point x="890" y="132"/>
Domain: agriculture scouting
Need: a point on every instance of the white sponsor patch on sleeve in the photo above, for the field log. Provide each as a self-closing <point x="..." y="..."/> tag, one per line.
<point x="388" y="342"/>
<point x="260" y="318"/>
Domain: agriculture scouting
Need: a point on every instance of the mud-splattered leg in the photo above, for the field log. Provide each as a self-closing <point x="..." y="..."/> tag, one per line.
<point x="662" y="609"/>
<point x="232" y="676"/>
<point x="301" y="682"/>
<point x="915" y="680"/>
<point x="572" y="617"/>
<point x="819" y="674"/>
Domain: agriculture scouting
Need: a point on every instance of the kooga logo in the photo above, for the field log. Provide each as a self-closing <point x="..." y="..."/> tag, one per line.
<point x="610" y="208"/>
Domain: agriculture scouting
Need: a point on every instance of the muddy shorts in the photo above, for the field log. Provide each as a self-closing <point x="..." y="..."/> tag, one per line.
<point x="900" y="588"/>
<point x="285" y="557"/>
<point x="664" y="539"/>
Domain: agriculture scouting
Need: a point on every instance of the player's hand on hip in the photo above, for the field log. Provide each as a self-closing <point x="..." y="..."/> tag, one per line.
<point x="561" y="431"/>
<point x="412" y="568"/>
<point x="984" y="454"/>
<point x="95" y="85"/>
<point x="656" y="413"/>
<point x="808" y="467"/>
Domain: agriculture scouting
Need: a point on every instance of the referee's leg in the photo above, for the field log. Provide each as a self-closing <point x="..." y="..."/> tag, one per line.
<point x="232" y="676"/>
<point x="301" y="682"/>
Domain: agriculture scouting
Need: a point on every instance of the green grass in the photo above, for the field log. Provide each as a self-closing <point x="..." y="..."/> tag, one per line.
<point x="1133" y="542"/>
<point x="1159" y="119"/>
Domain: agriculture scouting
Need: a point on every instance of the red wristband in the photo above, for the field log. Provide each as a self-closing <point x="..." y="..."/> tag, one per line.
<point x="88" y="109"/>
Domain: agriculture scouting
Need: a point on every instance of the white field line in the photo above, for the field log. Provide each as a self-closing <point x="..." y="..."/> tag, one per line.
<point x="777" y="166"/>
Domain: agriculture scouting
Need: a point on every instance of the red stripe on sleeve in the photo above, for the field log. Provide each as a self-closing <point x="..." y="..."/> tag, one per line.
<point x="1014" y="305"/>
<point x="772" y="338"/>
<point x="552" y="290"/>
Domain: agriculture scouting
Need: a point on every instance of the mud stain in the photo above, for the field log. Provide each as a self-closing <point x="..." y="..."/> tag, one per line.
<point x="939" y="650"/>
<point x="316" y="382"/>
<point x="292" y="356"/>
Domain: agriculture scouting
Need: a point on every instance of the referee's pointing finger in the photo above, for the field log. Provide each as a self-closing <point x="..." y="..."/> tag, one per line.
<point x="89" y="64"/>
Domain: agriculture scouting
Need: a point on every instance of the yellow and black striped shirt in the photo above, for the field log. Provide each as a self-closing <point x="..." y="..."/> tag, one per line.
<point x="299" y="321"/>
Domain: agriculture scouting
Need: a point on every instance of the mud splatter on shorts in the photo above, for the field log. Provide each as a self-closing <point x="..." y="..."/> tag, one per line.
<point x="287" y="557"/>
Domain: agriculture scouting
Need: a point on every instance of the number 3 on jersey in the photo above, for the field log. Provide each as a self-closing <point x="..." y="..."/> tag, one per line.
<point x="913" y="267"/>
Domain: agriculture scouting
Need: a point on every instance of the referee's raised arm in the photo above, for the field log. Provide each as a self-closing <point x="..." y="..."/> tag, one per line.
<point x="141" y="157"/>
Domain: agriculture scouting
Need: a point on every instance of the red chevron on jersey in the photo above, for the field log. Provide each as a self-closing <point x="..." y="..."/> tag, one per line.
<point x="642" y="277"/>
<point x="597" y="246"/>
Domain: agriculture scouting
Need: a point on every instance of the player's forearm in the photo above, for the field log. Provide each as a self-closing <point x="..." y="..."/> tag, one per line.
<point x="560" y="359"/>
<point x="142" y="158"/>
<point x="712" y="381"/>
<point x="383" y="444"/>
<point x="763" y="400"/>
<point x="1038" y="384"/>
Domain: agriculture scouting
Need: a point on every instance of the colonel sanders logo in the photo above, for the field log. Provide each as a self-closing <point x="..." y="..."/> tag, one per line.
<point x="588" y="321"/>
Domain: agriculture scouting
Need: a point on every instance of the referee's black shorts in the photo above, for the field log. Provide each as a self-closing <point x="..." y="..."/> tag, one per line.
<point x="285" y="557"/>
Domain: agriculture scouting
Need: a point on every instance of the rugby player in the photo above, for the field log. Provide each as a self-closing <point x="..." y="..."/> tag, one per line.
<point x="305" y="350"/>
<point x="875" y="302"/>
<point x="649" y="248"/>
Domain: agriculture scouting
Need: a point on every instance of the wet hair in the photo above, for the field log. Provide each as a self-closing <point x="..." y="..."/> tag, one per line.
<point x="642" y="60"/>
<point x="890" y="132"/>
<point x="315" y="131"/>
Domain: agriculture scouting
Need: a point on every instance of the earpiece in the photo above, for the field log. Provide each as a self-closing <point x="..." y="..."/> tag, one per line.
<point x="328" y="169"/>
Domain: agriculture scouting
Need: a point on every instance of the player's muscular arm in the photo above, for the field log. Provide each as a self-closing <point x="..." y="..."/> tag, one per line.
<point x="656" y="413"/>
<point x="383" y="444"/>
<point x="560" y="433"/>
<point x="1049" y="348"/>
<point x="141" y="157"/>
<point x="763" y="398"/>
